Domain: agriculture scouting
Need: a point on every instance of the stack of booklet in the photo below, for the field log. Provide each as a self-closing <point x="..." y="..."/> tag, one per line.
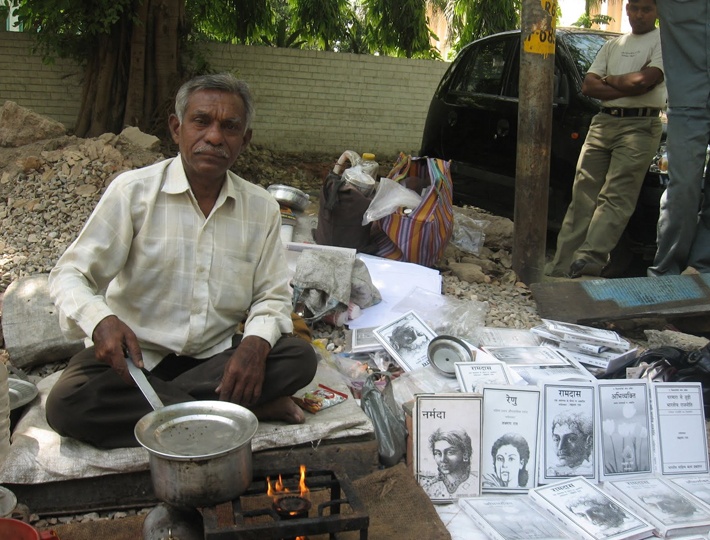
<point x="599" y="351"/>
<point x="591" y="347"/>
<point x="578" y="508"/>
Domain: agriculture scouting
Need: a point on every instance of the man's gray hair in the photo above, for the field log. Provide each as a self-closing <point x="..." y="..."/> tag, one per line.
<point x="226" y="82"/>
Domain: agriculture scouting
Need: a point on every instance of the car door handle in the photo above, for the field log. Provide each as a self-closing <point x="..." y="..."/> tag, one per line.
<point x="502" y="128"/>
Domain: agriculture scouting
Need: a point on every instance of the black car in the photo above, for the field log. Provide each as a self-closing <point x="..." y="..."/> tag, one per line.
<point x="473" y="121"/>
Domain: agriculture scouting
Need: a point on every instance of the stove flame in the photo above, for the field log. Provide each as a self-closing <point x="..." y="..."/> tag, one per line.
<point x="278" y="489"/>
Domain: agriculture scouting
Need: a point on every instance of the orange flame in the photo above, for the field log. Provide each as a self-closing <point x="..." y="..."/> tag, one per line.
<point x="278" y="488"/>
<point x="305" y="492"/>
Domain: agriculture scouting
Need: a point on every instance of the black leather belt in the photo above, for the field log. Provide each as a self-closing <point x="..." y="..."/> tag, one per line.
<point x="622" y="112"/>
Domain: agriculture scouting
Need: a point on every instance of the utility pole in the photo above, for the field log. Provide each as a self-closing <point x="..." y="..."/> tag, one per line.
<point x="537" y="63"/>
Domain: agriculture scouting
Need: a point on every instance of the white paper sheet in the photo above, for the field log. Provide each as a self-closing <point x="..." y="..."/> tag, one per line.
<point x="395" y="280"/>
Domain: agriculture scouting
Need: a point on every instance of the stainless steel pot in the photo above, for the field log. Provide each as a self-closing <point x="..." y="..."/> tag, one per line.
<point x="199" y="451"/>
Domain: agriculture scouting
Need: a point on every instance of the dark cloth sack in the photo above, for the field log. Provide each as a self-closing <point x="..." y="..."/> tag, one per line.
<point x="672" y="364"/>
<point x="340" y="212"/>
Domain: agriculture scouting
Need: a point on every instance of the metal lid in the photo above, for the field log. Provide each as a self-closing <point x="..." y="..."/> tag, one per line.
<point x="289" y="196"/>
<point x="196" y="430"/>
<point x="445" y="351"/>
<point x="8" y="502"/>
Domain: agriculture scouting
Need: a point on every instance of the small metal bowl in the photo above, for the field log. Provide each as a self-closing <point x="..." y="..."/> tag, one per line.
<point x="445" y="351"/>
<point x="289" y="196"/>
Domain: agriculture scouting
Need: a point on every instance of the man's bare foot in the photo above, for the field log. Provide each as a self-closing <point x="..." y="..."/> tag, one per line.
<point x="282" y="408"/>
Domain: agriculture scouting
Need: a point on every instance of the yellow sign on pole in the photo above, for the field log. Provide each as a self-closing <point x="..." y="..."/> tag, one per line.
<point x="542" y="38"/>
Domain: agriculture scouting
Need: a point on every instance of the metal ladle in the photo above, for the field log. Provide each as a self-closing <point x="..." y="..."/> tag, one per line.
<point x="142" y="382"/>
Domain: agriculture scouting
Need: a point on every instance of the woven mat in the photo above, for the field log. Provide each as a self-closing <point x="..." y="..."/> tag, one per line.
<point x="398" y="508"/>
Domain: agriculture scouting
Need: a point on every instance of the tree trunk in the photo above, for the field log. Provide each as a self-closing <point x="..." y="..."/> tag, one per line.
<point x="134" y="85"/>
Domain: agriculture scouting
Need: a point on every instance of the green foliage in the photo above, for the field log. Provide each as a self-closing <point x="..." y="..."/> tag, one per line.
<point x="70" y="28"/>
<point x="283" y="38"/>
<point x="324" y="21"/>
<point x="586" y="21"/>
<point x="473" y="19"/>
<point x="231" y="21"/>
<point x="400" y="27"/>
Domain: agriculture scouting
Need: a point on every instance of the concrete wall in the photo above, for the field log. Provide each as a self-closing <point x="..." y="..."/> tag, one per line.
<point x="305" y="100"/>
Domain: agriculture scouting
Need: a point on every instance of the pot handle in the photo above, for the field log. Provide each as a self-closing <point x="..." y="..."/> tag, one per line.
<point x="48" y="535"/>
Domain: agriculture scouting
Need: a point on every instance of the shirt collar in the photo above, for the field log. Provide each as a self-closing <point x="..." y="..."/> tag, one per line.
<point x="176" y="182"/>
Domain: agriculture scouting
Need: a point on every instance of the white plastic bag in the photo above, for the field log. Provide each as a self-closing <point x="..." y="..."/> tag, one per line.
<point x="390" y="196"/>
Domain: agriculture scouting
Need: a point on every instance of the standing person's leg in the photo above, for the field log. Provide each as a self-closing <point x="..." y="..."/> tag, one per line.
<point x="699" y="257"/>
<point x="635" y="145"/>
<point x="591" y="170"/>
<point x="686" y="143"/>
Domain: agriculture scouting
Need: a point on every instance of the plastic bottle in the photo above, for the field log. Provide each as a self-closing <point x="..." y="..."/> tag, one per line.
<point x="370" y="166"/>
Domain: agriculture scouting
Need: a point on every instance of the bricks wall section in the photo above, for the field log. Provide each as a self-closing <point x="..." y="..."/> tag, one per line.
<point x="305" y="100"/>
<point x="52" y="90"/>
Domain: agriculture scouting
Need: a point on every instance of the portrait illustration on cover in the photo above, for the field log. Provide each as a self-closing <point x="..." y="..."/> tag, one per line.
<point x="510" y="454"/>
<point x="453" y="452"/>
<point x="572" y="444"/>
<point x="600" y="514"/>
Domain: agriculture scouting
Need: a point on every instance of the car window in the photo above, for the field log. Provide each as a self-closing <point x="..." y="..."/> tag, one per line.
<point x="584" y="48"/>
<point x="482" y="72"/>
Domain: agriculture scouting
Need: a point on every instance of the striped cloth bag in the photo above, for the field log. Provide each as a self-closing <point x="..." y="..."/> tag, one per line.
<point x="421" y="235"/>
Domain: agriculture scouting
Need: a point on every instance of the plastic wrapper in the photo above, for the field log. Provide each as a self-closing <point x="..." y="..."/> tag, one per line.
<point x="424" y="380"/>
<point x="468" y="233"/>
<point x="387" y="419"/>
<point x="319" y="398"/>
<point x="445" y="314"/>
<point x="389" y="197"/>
<point x="356" y="367"/>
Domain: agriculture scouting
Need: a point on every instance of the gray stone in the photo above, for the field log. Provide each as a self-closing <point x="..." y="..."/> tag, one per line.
<point x="687" y="342"/>
<point x="30" y="324"/>
<point x="20" y="126"/>
<point x="144" y="140"/>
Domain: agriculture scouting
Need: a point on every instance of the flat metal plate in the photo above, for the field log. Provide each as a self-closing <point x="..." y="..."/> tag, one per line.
<point x="445" y="351"/>
<point x="196" y="429"/>
<point x="21" y="392"/>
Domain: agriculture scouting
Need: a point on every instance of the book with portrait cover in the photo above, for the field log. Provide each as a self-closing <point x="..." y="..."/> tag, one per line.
<point x="663" y="504"/>
<point x="511" y="417"/>
<point x="588" y="512"/>
<point x="568" y="432"/>
<point x="678" y="428"/>
<point x="406" y="339"/>
<point x="625" y="444"/>
<point x="511" y="518"/>
<point x="447" y="444"/>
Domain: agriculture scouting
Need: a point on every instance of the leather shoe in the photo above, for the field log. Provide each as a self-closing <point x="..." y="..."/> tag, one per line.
<point x="580" y="267"/>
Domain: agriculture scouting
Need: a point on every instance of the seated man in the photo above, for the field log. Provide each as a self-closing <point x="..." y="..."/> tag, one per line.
<point x="174" y="257"/>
